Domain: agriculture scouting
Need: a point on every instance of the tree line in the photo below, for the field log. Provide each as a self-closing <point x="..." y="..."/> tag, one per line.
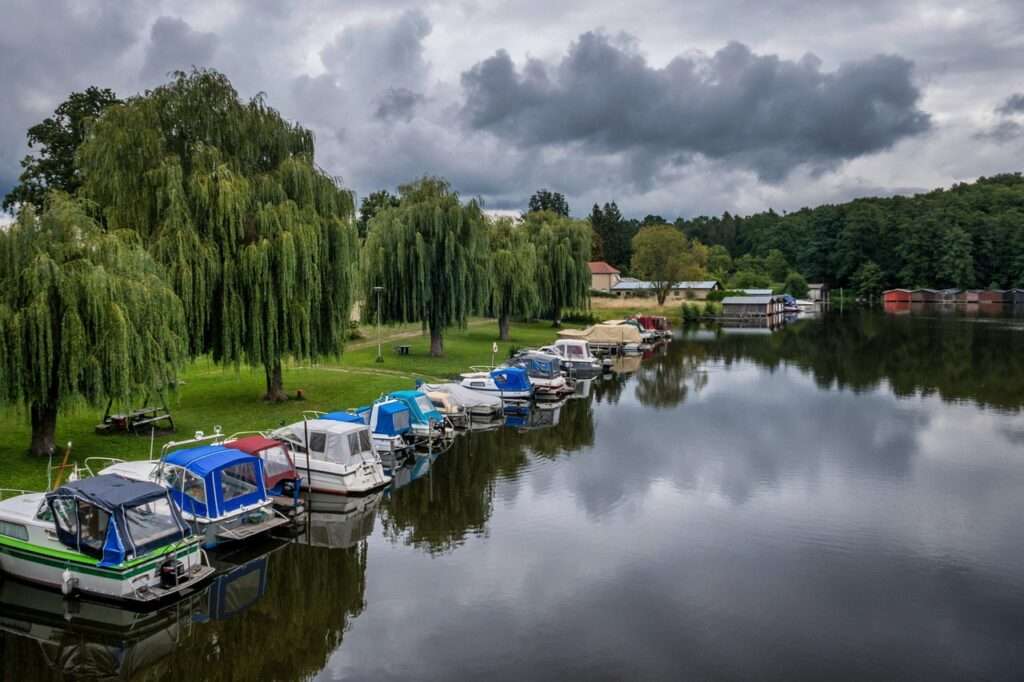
<point x="186" y="222"/>
<point x="968" y="236"/>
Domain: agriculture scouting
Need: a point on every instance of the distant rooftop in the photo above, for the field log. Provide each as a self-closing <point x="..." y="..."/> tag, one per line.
<point x="633" y="284"/>
<point x="599" y="267"/>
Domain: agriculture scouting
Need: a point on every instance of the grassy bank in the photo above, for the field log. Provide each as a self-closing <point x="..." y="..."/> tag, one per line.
<point x="618" y="308"/>
<point x="210" y="395"/>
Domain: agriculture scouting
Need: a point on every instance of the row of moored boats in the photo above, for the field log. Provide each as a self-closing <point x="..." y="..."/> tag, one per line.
<point x="137" y="531"/>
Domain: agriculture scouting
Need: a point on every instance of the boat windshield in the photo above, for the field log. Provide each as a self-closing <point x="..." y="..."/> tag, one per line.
<point x="275" y="462"/>
<point x="359" y="441"/>
<point x="151" y="522"/>
<point x="238" y="480"/>
<point x="574" y="351"/>
<point x="92" y="522"/>
<point x="424" y="404"/>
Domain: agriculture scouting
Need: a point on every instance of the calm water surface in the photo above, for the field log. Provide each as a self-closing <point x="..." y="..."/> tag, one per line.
<point x="842" y="499"/>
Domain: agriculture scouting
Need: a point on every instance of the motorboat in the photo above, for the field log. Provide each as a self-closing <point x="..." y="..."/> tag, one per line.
<point x="104" y="536"/>
<point x="478" y="404"/>
<point x="607" y="338"/>
<point x="647" y="336"/>
<point x="341" y="460"/>
<point x="390" y="424"/>
<point x="656" y="324"/>
<point x="576" y="358"/>
<point x="427" y="423"/>
<point x="281" y="479"/>
<point x="544" y="371"/>
<point x="220" y="491"/>
<point x="511" y="384"/>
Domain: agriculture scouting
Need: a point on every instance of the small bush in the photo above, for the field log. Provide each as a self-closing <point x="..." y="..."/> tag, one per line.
<point x="691" y="312"/>
<point x="580" y="317"/>
<point x="354" y="332"/>
<point x="596" y="293"/>
<point x="712" y="309"/>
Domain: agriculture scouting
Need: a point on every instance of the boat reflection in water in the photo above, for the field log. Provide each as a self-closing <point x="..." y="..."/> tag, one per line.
<point x="340" y="522"/>
<point x="46" y="634"/>
<point x="241" y="580"/>
<point x="539" y="416"/>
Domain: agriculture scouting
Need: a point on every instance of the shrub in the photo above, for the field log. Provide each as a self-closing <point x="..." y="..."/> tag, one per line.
<point x="580" y="317"/>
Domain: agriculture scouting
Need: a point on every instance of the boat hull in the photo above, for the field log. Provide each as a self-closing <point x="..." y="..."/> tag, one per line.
<point x="137" y="582"/>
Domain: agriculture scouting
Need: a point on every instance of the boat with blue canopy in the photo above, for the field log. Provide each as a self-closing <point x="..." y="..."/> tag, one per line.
<point x="544" y="371"/>
<point x="220" y="490"/>
<point x="425" y="420"/>
<point x="508" y="383"/>
<point x="105" y="536"/>
<point x="281" y="479"/>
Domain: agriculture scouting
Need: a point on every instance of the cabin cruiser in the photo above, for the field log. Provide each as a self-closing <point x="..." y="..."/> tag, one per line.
<point x="544" y="372"/>
<point x="390" y="429"/>
<point x="575" y="357"/>
<point x="607" y="338"/>
<point x="219" y="490"/>
<point x="342" y="459"/>
<point x="281" y="479"/>
<point x="427" y="423"/>
<point x="104" y="536"/>
<point x="511" y="384"/>
<point x="479" y="405"/>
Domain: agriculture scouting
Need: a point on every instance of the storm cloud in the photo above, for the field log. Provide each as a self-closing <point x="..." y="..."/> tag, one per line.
<point x="175" y="46"/>
<point x="762" y="111"/>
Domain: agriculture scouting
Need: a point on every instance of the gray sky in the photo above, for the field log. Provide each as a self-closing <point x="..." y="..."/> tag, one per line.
<point x="665" y="107"/>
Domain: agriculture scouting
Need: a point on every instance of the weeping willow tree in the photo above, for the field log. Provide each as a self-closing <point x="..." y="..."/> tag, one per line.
<point x="513" y="291"/>
<point x="563" y="250"/>
<point x="429" y="256"/>
<point x="86" y="315"/>
<point x="258" y="243"/>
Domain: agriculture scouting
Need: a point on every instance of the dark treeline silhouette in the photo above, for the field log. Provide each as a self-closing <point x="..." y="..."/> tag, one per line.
<point x="971" y="235"/>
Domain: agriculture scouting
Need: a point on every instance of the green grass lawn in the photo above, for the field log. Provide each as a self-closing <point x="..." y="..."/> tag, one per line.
<point x="210" y="395"/>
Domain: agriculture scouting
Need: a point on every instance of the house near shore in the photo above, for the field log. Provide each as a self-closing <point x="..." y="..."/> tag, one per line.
<point x="752" y="306"/>
<point x="630" y="286"/>
<point x="896" y="296"/>
<point x="817" y="292"/>
<point x="603" y="276"/>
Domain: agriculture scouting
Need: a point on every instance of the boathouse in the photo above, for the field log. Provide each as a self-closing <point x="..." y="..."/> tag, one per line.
<point x="896" y="296"/>
<point x="969" y="296"/>
<point x="925" y="296"/>
<point x="817" y="292"/>
<point x="991" y="296"/>
<point x="1015" y="296"/>
<point x="752" y="306"/>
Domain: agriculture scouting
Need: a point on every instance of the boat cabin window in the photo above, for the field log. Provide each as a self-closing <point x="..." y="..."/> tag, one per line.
<point x="151" y="522"/>
<point x="66" y="512"/>
<point x="353" y="443"/>
<point x="400" y="420"/>
<point x="364" y="440"/>
<point x="477" y="384"/>
<point x="237" y="480"/>
<point x="424" y="404"/>
<point x="317" y="441"/>
<point x="44" y="513"/>
<point x="92" y="522"/>
<point x="574" y="351"/>
<point x="14" y="530"/>
<point x="176" y="478"/>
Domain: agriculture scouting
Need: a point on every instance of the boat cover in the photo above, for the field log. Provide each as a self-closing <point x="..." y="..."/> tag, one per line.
<point x="390" y="418"/>
<point x="118" y="497"/>
<point x="538" y="365"/>
<point x="340" y="416"/>
<point x="232" y="479"/>
<point x="277" y="460"/>
<point x="605" y="334"/>
<point x="420" y="407"/>
<point x="510" y="379"/>
<point x="467" y="397"/>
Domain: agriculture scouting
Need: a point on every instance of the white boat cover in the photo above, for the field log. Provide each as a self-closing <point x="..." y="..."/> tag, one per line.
<point x="467" y="397"/>
<point x="605" y="334"/>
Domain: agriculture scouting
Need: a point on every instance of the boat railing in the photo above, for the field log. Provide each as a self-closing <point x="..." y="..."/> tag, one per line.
<point x="241" y="434"/>
<point x="481" y="368"/>
<point x="308" y="415"/>
<point x="6" y="493"/>
<point x="199" y="437"/>
<point x="89" y="461"/>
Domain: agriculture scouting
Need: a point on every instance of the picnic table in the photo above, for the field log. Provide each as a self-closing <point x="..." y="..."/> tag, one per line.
<point x="402" y="349"/>
<point x="136" y="420"/>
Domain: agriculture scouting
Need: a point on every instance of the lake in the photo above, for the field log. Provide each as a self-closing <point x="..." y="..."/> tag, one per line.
<point x="840" y="499"/>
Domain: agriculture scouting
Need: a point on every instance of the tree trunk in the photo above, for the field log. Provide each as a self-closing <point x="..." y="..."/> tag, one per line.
<point x="44" y="429"/>
<point x="275" y="386"/>
<point x="556" y="318"/>
<point x="503" y="328"/>
<point x="662" y="295"/>
<point x="436" y="342"/>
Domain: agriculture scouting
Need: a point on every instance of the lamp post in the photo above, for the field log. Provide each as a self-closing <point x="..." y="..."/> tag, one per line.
<point x="380" y="355"/>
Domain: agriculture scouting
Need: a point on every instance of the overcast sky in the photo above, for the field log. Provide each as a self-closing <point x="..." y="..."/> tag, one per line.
<point x="676" y="108"/>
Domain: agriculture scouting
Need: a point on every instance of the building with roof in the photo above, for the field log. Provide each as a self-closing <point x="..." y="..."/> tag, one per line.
<point x="629" y="286"/>
<point x="752" y="306"/>
<point x="817" y="292"/>
<point x="603" y="276"/>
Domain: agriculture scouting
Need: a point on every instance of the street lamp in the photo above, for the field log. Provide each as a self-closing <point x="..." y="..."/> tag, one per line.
<point x="380" y="355"/>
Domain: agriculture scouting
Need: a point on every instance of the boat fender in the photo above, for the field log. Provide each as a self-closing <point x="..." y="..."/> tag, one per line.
<point x="68" y="583"/>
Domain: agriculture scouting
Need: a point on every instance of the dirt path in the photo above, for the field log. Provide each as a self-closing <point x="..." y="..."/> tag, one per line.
<point x="368" y="342"/>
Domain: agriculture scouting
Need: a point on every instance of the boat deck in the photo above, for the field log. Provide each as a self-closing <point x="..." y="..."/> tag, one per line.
<point x="21" y="507"/>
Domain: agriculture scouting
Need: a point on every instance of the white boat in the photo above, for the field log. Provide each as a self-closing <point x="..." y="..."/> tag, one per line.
<point x="390" y="427"/>
<point x="220" y="491"/>
<point x="478" y="404"/>
<point x="343" y="460"/>
<point x="508" y="383"/>
<point x="576" y="358"/>
<point x="104" y="536"/>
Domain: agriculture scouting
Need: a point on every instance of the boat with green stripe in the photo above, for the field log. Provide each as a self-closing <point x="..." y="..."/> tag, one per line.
<point x="105" y="536"/>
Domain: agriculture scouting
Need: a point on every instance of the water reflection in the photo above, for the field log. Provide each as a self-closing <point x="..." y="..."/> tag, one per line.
<point x="837" y="500"/>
